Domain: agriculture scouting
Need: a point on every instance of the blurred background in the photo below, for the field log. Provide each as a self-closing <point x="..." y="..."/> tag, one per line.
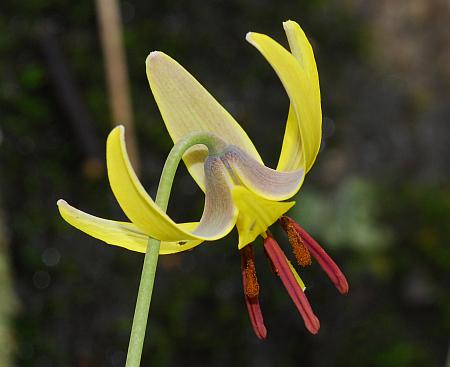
<point x="378" y="198"/>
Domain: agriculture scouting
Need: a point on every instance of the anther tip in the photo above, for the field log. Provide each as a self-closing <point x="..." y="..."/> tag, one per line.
<point x="343" y="286"/>
<point x="262" y="333"/>
<point x="313" y="325"/>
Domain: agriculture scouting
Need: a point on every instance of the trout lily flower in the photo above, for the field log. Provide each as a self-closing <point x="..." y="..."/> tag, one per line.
<point x="239" y="189"/>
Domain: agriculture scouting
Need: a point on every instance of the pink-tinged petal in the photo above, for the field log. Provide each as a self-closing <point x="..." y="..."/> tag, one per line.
<point x="325" y="261"/>
<point x="251" y="291"/>
<point x="295" y="291"/>
<point x="264" y="181"/>
<point x="220" y="213"/>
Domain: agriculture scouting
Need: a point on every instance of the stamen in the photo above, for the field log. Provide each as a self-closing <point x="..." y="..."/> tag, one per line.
<point x="293" y="288"/>
<point x="328" y="265"/>
<point x="251" y="291"/>
<point x="251" y="285"/>
<point x="256" y="317"/>
<point x="299" y="249"/>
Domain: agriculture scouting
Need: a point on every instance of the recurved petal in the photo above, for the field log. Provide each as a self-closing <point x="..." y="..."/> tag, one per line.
<point x="264" y="181"/>
<point x="220" y="213"/>
<point x="291" y="156"/>
<point x="186" y="107"/>
<point x="122" y="234"/>
<point x="302" y="87"/>
<point x="137" y="205"/>
<point x="301" y="49"/>
<point x="256" y="214"/>
<point x="168" y="248"/>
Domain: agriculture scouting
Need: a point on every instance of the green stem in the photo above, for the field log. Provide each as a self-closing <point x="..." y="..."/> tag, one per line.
<point x="214" y="145"/>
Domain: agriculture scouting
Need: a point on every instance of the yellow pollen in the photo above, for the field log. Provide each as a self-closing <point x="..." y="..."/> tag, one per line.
<point x="251" y="287"/>
<point x="299" y="249"/>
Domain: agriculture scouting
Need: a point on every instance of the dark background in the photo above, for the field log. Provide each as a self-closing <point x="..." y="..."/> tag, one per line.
<point x="378" y="197"/>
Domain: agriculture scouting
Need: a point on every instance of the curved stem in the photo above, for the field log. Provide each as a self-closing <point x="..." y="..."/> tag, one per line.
<point x="215" y="145"/>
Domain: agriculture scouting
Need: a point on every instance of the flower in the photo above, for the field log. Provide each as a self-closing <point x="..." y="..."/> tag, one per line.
<point x="239" y="189"/>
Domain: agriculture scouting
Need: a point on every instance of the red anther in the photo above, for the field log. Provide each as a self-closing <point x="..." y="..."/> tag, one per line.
<point x="250" y="281"/>
<point x="251" y="291"/>
<point x="256" y="317"/>
<point x="294" y="290"/>
<point x="325" y="261"/>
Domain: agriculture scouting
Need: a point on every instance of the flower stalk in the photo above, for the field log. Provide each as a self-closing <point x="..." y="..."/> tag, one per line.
<point x="139" y="326"/>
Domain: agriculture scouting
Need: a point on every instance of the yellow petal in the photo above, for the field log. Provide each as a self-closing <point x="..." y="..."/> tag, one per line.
<point x="137" y="205"/>
<point x="256" y="214"/>
<point x="302" y="86"/>
<point x="122" y="234"/>
<point x="218" y="218"/>
<point x="291" y="156"/>
<point x="168" y="248"/>
<point x="186" y="107"/>
<point x="301" y="49"/>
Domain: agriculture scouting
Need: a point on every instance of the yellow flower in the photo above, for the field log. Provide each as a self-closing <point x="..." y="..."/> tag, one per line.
<point x="239" y="189"/>
<point x="252" y="199"/>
